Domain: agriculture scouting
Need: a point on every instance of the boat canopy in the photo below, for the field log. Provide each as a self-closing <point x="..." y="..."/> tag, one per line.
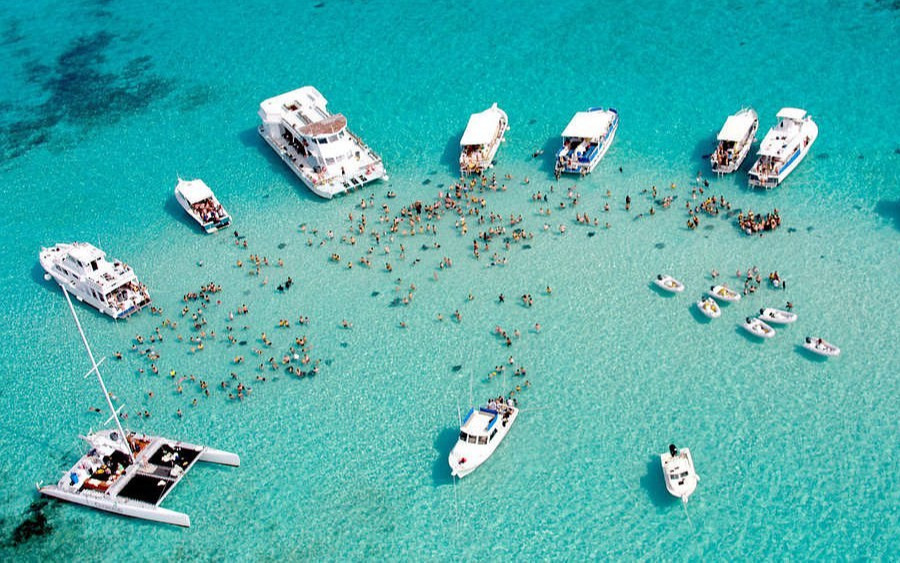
<point x="194" y="191"/>
<point x="328" y="126"/>
<point x="482" y="128"/>
<point x="795" y="114"/>
<point x="588" y="124"/>
<point x="736" y="127"/>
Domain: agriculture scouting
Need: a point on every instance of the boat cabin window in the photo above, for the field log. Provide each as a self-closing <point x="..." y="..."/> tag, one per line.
<point x="482" y="440"/>
<point x="472" y="439"/>
<point x="94" y="265"/>
<point x="463" y="436"/>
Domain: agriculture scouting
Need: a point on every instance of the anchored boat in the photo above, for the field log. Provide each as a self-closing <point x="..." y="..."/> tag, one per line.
<point x="678" y="470"/>
<point x="783" y="147"/>
<point x="201" y="204"/>
<point x="129" y="473"/>
<point x="586" y="139"/>
<point x="481" y="139"/>
<point x="735" y="139"/>
<point x="479" y="435"/>
<point x="316" y="145"/>
<point x="82" y="269"/>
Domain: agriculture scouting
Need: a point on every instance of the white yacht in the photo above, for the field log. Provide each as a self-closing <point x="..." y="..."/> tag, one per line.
<point x="783" y="147"/>
<point x="82" y="269"/>
<point x="316" y="144"/>
<point x="480" y="434"/>
<point x="586" y="139"/>
<point x="128" y="473"/>
<point x="735" y="140"/>
<point x="678" y="470"/>
<point x="481" y="139"/>
<point x="201" y="204"/>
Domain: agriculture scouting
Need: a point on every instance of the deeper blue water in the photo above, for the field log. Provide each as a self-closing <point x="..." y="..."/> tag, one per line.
<point x="104" y="104"/>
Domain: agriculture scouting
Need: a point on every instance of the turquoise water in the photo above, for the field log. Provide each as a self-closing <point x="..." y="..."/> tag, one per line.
<point x="105" y="103"/>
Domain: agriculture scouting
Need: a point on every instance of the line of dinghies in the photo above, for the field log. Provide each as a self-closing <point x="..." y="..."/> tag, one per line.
<point x="760" y="326"/>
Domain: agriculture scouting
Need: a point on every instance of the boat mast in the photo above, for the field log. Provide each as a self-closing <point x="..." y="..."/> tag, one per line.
<point x="96" y="370"/>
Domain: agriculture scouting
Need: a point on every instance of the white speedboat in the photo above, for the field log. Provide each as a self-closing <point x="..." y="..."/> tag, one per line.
<point x="783" y="147"/>
<point x="128" y="473"/>
<point x="735" y="139"/>
<point x="821" y="347"/>
<point x="481" y="139"/>
<point x="777" y="316"/>
<point x="668" y="283"/>
<point x="83" y="270"/>
<point x="758" y="328"/>
<point x="481" y="432"/>
<point x="201" y="204"/>
<point x="678" y="470"/>
<point x="586" y="139"/>
<point x="724" y="293"/>
<point x="316" y="145"/>
<point x="709" y="307"/>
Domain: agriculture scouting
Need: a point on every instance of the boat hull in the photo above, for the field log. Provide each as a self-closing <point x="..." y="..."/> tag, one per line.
<point x="326" y="190"/>
<point x="668" y="283"/>
<point x="123" y="507"/>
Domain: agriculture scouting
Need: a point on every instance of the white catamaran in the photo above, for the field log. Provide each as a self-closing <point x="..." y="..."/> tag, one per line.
<point x="316" y="145"/>
<point x="128" y="473"/>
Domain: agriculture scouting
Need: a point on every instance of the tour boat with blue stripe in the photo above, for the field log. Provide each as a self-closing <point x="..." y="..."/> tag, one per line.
<point x="481" y="139"/>
<point x="316" y="145"/>
<point x="734" y="141"/>
<point x="83" y="270"/>
<point x="783" y="147"/>
<point x="480" y="433"/>
<point x="586" y="139"/>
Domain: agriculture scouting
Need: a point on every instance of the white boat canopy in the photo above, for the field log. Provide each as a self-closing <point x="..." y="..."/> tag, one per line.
<point x="736" y="127"/>
<point x="795" y="114"/>
<point x="482" y="127"/>
<point x="194" y="191"/>
<point x="588" y="124"/>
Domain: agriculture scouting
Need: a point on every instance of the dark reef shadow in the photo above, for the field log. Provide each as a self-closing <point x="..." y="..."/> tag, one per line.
<point x="443" y="444"/>
<point x="654" y="485"/>
<point x="890" y="210"/>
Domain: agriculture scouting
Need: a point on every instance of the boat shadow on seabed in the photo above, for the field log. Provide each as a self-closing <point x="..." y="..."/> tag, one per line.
<point x="653" y="482"/>
<point x="443" y="444"/>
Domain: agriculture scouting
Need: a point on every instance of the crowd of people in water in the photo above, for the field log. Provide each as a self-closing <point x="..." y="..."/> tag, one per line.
<point x="752" y="223"/>
<point x="405" y="239"/>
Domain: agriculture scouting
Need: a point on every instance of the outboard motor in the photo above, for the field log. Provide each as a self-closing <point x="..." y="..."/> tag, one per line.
<point x="673" y="450"/>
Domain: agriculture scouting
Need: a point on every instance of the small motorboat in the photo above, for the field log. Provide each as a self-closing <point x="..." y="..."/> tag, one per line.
<point x="724" y="293"/>
<point x="758" y="328"/>
<point x="479" y="435"/>
<point x="777" y="316"/>
<point x="668" y="283"/>
<point x="821" y="347"/>
<point x="709" y="307"/>
<point x="678" y="470"/>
